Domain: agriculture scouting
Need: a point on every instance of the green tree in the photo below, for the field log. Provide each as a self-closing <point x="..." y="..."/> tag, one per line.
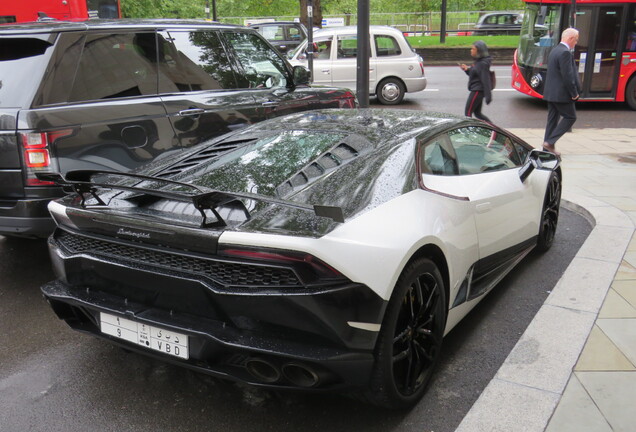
<point x="162" y="8"/>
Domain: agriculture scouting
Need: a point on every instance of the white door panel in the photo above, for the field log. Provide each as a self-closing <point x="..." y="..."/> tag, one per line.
<point x="322" y="72"/>
<point x="506" y="210"/>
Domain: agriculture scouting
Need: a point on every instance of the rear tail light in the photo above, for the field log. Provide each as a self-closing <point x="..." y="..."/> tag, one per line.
<point x="37" y="154"/>
<point x="307" y="267"/>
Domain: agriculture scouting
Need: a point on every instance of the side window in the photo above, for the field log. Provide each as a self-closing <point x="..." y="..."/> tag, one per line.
<point x="294" y="33"/>
<point x="522" y="152"/>
<point x="58" y="82"/>
<point x="261" y="65"/>
<point x="116" y="65"/>
<point x="347" y="46"/>
<point x="631" y="30"/>
<point x="322" y="49"/>
<point x="386" y="46"/>
<point x="438" y="157"/>
<point x="479" y="149"/>
<point x="273" y="32"/>
<point x="193" y="61"/>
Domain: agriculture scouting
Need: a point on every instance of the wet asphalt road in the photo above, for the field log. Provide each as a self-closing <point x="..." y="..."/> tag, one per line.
<point x="54" y="379"/>
<point x="446" y="92"/>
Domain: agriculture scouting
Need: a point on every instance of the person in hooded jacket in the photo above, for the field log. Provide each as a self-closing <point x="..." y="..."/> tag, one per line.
<point x="479" y="83"/>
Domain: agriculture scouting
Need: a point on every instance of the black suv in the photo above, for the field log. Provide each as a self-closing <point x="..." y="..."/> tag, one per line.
<point x="283" y="35"/>
<point x="113" y="95"/>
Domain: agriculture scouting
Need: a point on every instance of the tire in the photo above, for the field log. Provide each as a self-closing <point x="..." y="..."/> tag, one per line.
<point x="390" y="91"/>
<point x="410" y="340"/>
<point x="549" y="213"/>
<point x="630" y="93"/>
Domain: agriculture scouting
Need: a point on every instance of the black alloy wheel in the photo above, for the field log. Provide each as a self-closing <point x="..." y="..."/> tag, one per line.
<point x="411" y="337"/>
<point x="550" y="213"/>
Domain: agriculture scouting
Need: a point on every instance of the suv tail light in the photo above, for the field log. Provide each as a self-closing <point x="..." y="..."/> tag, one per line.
<point x="37" y="154"/>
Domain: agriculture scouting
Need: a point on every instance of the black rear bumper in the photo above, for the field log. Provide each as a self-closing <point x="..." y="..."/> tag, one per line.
<point x="26" y="217"/>
<point x="300" y="340"/>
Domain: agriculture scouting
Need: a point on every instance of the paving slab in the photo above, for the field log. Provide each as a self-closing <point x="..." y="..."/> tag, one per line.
<point x="548" y="350"/>
<point x="614" y="393"/>
<point x="600" y="354"/>
<point x="504" y="407"/>
<point x="577" y="412"/>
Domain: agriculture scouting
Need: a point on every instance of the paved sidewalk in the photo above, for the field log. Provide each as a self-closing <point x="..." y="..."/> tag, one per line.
<point x="574" y="369"/>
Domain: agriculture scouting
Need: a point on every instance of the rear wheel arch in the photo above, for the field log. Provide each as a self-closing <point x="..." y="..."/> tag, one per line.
<point x="435" y="254"/>
<point x="409" y="343"/>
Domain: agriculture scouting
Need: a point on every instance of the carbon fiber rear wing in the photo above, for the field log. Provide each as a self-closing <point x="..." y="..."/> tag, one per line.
<point x="82" y="182"/>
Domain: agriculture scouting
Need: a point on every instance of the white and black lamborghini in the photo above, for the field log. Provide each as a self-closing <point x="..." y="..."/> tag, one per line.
<point x="325" y="250"/>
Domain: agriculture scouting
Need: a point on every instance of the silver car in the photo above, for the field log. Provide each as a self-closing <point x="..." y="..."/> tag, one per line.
<point x="394" y="68"/>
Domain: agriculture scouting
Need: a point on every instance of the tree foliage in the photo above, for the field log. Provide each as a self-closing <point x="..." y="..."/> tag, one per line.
<point x="163" y="8"/>
<point x="296" y="8"/>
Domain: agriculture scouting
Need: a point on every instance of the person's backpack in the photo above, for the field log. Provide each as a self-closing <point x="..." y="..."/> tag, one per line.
<point x="493" y="79"/>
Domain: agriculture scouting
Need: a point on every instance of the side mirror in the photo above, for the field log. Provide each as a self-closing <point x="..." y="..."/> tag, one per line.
<point x="538" y="159"/>
<point x="302" y="76"/>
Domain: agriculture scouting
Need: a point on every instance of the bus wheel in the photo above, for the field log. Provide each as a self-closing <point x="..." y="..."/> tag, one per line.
<point x="630" y="93"/>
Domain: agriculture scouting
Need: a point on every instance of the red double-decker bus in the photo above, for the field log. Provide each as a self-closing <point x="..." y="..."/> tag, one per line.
<point x="32" y="10"/>
<point x="605" y="54"/>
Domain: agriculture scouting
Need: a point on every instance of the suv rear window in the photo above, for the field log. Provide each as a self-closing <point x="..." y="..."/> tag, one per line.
<point x="116" y="65"/>
<point x="22" y="63"/>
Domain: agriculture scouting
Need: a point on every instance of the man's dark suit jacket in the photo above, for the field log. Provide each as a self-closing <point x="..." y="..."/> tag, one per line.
<point x="562" y="81"/>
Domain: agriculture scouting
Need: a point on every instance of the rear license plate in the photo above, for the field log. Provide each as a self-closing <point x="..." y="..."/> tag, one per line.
<point x="155" y="338"/>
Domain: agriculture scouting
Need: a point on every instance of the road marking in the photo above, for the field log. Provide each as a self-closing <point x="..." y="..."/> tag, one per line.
<point x="504" y="90"/>
<point x="432" y="90"/>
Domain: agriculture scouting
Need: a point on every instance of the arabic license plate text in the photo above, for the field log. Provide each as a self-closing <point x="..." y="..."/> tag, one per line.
<point x="155" y="338"/>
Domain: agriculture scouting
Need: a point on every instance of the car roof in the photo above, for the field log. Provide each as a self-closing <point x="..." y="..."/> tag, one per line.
<point x="377" y="125"/>
<point x="275" y="23"/>
<point x="354" y="29"/>
<point x="118" y="24"/>
<point x="483" y="17"/>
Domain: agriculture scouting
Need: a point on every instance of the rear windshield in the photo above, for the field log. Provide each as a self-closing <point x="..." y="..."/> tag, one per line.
<point x="22" y="64"/>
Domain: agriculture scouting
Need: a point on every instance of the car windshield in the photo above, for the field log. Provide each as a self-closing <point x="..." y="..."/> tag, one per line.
<point x="22" y="62"/>
<point x="261" y="167"/>
<point x="539" y="33"/>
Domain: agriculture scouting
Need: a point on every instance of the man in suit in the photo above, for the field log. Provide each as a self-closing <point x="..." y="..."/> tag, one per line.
<point x="562" y="88"/>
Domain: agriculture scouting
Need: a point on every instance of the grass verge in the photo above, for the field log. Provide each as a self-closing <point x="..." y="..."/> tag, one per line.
<point x="463" y="41"/>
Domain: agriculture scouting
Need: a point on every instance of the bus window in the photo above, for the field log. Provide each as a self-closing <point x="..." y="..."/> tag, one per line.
<point x="539" y="33"/>
<point x="631" y="31"/>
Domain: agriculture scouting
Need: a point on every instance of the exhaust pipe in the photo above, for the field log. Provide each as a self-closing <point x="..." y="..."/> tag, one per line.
<point x="263" y="370"/>
<point x="300" y="375"/>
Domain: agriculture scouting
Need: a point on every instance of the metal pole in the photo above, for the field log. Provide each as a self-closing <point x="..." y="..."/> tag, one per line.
<point x="214" y="17"/>
<point x="442" y="31"/>
<point x="310" y="39"/>
<point x="362" y="57"/>
<point x="207" y="10"/>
